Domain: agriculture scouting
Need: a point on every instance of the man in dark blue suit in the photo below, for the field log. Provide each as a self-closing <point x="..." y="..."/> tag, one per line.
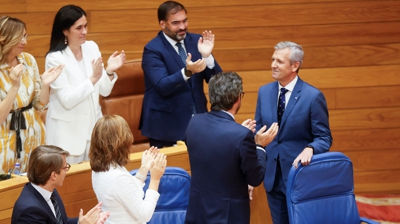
<point x="175" y="65"/>
<point x="223" y="156"/>
<point x="39" y="201"/>
<point x="302" y="114"/>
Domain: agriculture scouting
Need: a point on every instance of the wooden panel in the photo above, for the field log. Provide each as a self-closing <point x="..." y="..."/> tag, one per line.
<point x="364" y="118"/>
<point x="375" y="160"/>
<point x="262" y="37"/>
<point x="376" y="139"/>
<point x="37" y="6"/>
<point x="315" y="57"/>
<point x="10" y="6"/>
<point x="250" y="16"/>
<point x="309" y="35"/>
<point x="380" y="96"/>
<point x="377" y="182"/>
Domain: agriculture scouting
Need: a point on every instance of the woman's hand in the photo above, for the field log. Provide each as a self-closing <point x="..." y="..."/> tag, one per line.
<point x="16" y="74"/>
<point x="148" y="157"/>
<point x="115" y="61"/>
<point x="158" y="169"/>
<point x="50" y="75"/>
<point x="97" y="66"/>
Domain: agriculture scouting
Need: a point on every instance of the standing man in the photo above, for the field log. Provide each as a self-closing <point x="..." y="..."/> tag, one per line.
<point x="175" y="65"/>
<point x="39" y="201"/>
<point x="223" y="156"/>
<point x="302" y="114"/>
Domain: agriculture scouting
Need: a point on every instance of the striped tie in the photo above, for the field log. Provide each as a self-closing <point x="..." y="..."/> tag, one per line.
<point x="182" y="52"/>
<point x="56" y="209"/>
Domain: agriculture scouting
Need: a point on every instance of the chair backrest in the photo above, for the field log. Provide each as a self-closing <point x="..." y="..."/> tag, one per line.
<point x="126" y="100"/>
<point x="323" y="191"/>
<point x="174" y="196"/>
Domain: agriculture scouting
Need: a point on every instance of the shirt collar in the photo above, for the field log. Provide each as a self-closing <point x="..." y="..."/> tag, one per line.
<point x="45" y="193"/>
<point x="229" y="114"/>
<point x="291" y="84"/>
<point x="173" y="42"/>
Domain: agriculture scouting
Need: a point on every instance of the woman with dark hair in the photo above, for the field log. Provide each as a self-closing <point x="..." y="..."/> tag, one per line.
<point x="74" y="97"/>
<point x="22" y="91"/>
<point x="121" y="193"/>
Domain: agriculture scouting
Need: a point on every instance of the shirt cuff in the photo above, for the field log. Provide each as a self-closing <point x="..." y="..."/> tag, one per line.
<point x="260" y="148"/>
<point x="210" y="62"/>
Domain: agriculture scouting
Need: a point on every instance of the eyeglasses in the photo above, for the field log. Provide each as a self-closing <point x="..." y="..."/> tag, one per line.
<point x="241" y="95"/>
<point x="67" y="167"/>
<point x="25" y="38"/>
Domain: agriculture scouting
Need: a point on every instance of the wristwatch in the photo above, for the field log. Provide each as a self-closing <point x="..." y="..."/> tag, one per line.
<point x="188" y="73"/>
<point x="310" y="146"/>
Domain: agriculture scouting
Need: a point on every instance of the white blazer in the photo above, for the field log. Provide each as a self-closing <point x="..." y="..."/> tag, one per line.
<point x="69" y="118"/>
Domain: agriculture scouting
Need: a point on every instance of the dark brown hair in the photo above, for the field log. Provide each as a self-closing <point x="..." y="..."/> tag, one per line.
<point x="110" y="144"/>
<point x="169" y="7"/>
<point x="44" y="160"/>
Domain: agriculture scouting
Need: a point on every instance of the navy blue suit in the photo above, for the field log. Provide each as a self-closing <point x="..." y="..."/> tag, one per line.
<point x="223" y="160"/>
<point x="304" y="122"/>
<point x="31" y="207"/>
<point x="169" y="99"/>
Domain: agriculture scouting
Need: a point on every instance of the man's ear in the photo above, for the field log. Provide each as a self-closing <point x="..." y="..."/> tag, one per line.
<point x="53" y="175"/>
<point x="162" y="24"/>
<point x="295" y="66"/>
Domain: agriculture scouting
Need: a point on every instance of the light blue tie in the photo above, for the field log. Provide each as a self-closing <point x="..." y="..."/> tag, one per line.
<point x="182" y="52"/>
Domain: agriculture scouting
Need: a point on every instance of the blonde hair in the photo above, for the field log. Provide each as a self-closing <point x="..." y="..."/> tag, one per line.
<point x="11" y="33"/>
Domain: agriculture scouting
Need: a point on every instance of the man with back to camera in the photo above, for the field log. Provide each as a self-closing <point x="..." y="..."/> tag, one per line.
<point x="302" y="115"/>
<point x="223" y="156"/>
<point x="175" y="65"/>
<point x="39" y="201"/>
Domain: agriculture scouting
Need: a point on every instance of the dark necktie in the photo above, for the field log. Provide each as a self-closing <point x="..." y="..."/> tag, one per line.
<point x="281" y="104"/>
<point x="182" y="52"/>
<point x="56" y="209"/>
<point x="183" y="56"/>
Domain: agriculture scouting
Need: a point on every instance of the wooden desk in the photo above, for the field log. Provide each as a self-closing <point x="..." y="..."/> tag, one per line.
<point x="77" y="191"/>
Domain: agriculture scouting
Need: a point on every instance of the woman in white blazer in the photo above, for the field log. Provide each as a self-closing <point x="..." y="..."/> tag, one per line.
<point x="74" y="97"/>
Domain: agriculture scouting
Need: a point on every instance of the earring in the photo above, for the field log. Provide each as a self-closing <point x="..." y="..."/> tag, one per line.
<point x="65" y="40"/>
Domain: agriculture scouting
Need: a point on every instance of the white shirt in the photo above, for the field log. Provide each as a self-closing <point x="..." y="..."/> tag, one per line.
<point x="46" y="195"/>
<point x="209" y="61"/>
<point x="289" y="87"/>
<point x="122" y="195"/>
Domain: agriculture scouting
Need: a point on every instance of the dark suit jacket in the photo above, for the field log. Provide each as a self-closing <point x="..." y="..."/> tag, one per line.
<point x="168" y="98"/>
<point x="223" y="160"/>
<point x="31" y="207"/>
<point x="304" y="122"/>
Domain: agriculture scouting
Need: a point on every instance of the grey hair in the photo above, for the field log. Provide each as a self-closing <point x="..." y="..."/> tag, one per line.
<point x="224" y="90"/>
<point x="296" y="51"/>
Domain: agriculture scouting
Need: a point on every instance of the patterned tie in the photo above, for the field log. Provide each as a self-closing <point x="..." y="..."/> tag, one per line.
<point x="281" y="104"/>
<point x="56" y="209"/>
<point x="182" y="52"/>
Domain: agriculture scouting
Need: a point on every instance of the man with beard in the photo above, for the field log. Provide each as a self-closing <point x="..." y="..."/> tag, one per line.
<point x="223" y="156"/>
<point x="175" y="65"/>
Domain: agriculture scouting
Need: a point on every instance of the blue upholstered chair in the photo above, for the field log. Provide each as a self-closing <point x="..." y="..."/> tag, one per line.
<point x="174" y="196"/>
<point x="323" y="191"/>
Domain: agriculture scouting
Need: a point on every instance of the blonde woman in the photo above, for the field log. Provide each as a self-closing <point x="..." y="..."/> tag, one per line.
<point x="22" y="92"/>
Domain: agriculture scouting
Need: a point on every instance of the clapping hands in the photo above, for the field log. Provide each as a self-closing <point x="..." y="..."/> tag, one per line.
<point x="51" y="74"/>
<point x="206" y="43"/>
<point x="115" y="61"/>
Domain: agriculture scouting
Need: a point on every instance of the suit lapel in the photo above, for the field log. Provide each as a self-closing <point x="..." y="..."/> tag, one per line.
<point x="43" y="202"/>
<point x="273" y="100"/>
<point x="171" y="49"/>
<point x="294" y="98"/>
